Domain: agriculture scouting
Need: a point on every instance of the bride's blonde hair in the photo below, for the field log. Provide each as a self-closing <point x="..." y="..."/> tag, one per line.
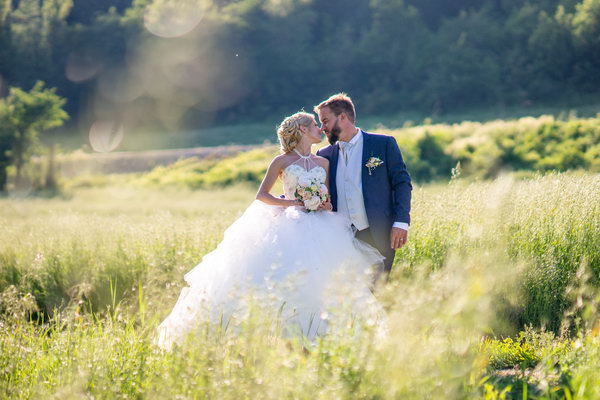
<point x="289" y="132"/>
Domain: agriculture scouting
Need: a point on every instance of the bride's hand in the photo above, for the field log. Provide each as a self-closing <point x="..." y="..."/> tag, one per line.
<point x="295" y="203"/>
<point x="326" y="206"/>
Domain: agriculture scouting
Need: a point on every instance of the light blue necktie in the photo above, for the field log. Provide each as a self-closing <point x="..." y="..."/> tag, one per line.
<point x="345" y="148"/>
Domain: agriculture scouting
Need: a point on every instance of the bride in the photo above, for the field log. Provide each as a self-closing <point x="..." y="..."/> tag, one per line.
<point x="294" y="250"/>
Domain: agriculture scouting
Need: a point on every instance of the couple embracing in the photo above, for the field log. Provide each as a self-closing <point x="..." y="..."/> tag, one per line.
<point x="321" y="246"/>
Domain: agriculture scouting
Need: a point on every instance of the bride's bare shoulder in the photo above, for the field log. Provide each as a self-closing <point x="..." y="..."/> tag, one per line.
<point x="281" y="158"/>
<point x="282" y="161"/>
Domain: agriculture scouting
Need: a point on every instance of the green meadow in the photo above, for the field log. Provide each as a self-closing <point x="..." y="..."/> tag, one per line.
<point x="495" y="296"/>
<point x="133" y="133"/>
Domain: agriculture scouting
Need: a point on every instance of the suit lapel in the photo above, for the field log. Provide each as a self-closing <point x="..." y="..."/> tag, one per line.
<point x="333" y="174"/>
<point x="365" y="157"/>
<point x="334" y="161"/>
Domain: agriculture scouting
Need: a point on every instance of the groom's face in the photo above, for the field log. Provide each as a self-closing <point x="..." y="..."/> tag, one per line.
<point x="329" y="124"/>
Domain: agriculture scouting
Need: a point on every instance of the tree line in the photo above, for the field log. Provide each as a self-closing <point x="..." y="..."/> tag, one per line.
<point x="428" y="55"/>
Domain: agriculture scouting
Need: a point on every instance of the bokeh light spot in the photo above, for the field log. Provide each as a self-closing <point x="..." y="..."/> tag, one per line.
<point x="172" y="18"/>
<point x="105" y="136"/>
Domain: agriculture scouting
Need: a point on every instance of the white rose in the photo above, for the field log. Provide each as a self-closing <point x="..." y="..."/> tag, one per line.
<point x="313" y="203"/>
<point x="303" y="181"/>
<point x="323" y="189"/>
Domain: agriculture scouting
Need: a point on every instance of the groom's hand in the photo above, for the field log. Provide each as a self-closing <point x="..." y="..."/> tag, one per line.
<point x="326" y="206"/>
<point x="398" y="238"/>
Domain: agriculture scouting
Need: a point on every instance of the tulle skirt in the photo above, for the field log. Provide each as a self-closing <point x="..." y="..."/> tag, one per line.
<point x="307" y="266"/>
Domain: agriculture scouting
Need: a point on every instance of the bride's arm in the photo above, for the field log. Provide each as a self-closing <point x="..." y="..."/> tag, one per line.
<point x="267" y="184"/>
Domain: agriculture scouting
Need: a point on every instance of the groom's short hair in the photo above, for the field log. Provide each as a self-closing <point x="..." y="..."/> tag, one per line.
<point x="339" y="103"/>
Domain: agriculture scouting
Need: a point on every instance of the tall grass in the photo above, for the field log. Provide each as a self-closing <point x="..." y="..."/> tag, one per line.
<point x="551" y="223"/>
<point x="430" y="352"/>
<point x="102" y="268"/>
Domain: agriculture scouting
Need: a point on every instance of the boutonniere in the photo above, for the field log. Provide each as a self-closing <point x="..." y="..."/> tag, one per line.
<point x="373" y="163"/>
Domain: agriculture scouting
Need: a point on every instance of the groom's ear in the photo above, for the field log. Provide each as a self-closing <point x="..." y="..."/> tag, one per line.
<point x="345" y="117"/>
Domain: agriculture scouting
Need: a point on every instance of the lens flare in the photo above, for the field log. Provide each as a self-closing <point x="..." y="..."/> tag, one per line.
<point x="105" y="136"/>
<point x="120" y="86"/>
<point x="218" y="81"/>
<point x="172" y="18"/>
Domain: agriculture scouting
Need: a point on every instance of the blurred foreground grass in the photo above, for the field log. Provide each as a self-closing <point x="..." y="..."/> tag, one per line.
<point x="484" y="261"/>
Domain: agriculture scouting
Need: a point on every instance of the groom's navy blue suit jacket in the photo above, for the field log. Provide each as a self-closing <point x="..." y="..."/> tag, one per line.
<point x="386" y="191"/>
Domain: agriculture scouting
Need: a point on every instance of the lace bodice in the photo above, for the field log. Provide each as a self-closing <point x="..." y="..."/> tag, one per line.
<point x="306" y="168"/>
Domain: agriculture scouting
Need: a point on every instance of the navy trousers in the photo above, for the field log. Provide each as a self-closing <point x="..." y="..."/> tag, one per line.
<point x="387" y="252"/>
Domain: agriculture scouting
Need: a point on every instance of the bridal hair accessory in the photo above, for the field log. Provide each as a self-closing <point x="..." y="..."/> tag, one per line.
<point x="373" y="163"/>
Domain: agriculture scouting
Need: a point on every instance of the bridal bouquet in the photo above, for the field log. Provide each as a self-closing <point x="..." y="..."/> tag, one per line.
<point x="311" y="192"/>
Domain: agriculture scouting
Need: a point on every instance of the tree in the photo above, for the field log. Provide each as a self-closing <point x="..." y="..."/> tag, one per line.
<point x="434" y="11"/>
<point x="395" y="51"/>
<point x="551" y="54"/>
<point x="85" y="11"/>
<point x="5" y="10"/>
<point x="23" y="115"/>
<point x="466" y="70"/>
<point x="37" y="47"/>
<point x="586" y="32"/>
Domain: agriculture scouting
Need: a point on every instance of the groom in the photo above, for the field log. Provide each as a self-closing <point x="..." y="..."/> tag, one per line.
<point x="368" y="179"/>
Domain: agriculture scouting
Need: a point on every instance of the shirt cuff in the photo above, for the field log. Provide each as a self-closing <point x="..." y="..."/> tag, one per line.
<point x="401" y="225"/>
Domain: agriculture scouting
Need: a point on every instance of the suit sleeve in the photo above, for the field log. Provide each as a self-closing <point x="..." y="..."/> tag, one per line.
<point x="399" y="181"/>
<point x="324" y="153"/>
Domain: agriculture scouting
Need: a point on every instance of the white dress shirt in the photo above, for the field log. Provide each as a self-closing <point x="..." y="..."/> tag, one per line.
<point x="349" y="183"/>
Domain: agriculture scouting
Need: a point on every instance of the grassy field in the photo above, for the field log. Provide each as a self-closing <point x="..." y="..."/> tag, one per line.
<point x="495" y="296"/>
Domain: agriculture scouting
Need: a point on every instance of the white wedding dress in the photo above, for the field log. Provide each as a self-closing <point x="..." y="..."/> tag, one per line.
<point x="307" y="265"/>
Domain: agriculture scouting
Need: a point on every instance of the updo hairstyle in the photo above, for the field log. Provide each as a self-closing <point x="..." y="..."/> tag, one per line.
<point x="289" y="132"/>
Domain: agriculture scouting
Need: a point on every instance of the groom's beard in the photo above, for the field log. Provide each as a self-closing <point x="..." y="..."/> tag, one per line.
<point x="334" y="134"/>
